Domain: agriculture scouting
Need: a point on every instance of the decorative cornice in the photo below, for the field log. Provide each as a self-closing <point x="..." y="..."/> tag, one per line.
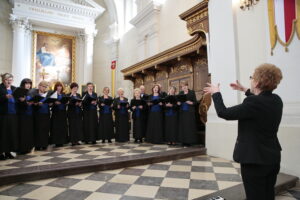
<point x="197" y="18"/>
<point x="78" y="8"/>
<point x="150" y="10"/>
<point x="185" y="48"/>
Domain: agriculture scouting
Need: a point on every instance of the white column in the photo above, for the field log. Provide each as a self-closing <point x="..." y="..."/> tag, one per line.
<point x="79" y="71"/>
<point x="28" y="51"/>
<point x="18" y="55"/>
<point x="88" y="56"/>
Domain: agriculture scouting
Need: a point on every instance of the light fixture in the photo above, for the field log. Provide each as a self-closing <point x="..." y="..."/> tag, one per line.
<point x="244" y="4"/>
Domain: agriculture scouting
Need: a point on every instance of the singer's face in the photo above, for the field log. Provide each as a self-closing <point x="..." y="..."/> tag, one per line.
<point x="172" y="91"/>
<point x="106" y="91"/>
<point x="59" y="89"/>
<point x="137" y="94"/>
<point x="42" y="88"/>
<point x="27" y="86"/>
<point x="90" y="88"/>
<point x="8" y="82"/>
<point x="155" y="89"/>
<point x="74" y="89"/>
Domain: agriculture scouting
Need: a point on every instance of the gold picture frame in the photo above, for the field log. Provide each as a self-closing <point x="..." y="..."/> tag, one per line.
<point x="53" y="58"/>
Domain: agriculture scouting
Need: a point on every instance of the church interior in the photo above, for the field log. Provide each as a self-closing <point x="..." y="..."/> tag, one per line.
<point x="118" y="54"/>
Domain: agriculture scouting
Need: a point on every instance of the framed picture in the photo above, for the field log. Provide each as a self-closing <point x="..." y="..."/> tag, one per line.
<point x="53" y="58"/>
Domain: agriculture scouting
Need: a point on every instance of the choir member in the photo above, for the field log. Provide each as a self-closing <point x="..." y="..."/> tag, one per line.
<point x="25" y="115"/>
<point x="145" y="97"/>
<point x="155" y="126"/>
<point x="8" y="118"/>
<point x="75" y="116"/>
<point x="106" y="125"/>
<point x="90" y="117"/>
<point x="187" y="118"/>
<point x="59" y="126"/>
<point x="138" y="108"/>
<point x="162" y="93"/>
<point x="121" y="107"/>
<point x="171" y="117"/>
<point x="41" y="116"/>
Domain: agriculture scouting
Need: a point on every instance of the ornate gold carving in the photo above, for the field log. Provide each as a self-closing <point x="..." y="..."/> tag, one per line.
<point x="182" y="67"/>
<point x="161" y="75"/>
<point x="149" y="78"/>
<point x="139" y="81"/>
<point x="201" y="61"/>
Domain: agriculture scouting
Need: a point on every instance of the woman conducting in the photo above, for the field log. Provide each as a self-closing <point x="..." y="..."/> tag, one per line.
<point x="257" y="148"/>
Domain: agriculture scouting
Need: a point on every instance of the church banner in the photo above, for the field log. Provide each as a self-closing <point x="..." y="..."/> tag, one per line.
<point x="284" y="21"/>
<point x="53" y="58"/>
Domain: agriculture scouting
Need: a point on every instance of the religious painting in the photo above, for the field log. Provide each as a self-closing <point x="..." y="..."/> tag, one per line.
<point x="53" y="58"/>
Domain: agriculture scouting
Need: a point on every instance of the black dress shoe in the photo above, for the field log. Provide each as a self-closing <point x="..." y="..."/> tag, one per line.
<point x="109" y="141"/>
<point x="2" y="157"/>
<point x="94" y="142"/>
<point x="9" y="156"/>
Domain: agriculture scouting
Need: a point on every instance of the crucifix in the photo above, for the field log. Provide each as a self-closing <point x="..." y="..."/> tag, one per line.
<point x="43" y="74"/>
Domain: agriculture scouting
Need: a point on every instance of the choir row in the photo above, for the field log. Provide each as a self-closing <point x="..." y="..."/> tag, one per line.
<point x="38" y="117"/>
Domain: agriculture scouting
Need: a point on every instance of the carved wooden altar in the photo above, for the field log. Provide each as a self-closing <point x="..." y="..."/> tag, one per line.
<point x="184" y="62"/>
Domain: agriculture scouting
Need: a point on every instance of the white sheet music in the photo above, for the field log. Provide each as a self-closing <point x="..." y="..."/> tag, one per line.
<point x="54" y="95"/>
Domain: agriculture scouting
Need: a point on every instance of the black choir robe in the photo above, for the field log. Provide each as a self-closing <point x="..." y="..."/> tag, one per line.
<point x="145" y="97"/>
<point x="75" y="120"/>
<point x="187" y="120"/>
<point x="26" y="128"/>
<point x="171" y="123"/>
<point x="106" y="124"/>
<point x="155" y="124"/>
<point x="9" y="136"/>
<point x="90" y="119"/>
<point x="121" y="121"/>
<point x="59" y="125"/>
<point x="41" y="118"/>
<point x="139" y="121"/>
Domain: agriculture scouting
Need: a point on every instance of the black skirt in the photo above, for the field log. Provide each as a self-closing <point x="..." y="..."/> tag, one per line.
<point x="41" y="130"/>
<point x="75" y="127"/>
<point x="187" y="128"/>
<point x="106" y="126"/>
<point x="59" y="127"/>
<point x="90" y="125"/>
<point x="155" y="128"/>
<point x="26" y="134"/>
<point x="138" y="128"/>
<point x="9" y="137"/>
<point x="122" y="128"/>
<point x="171" y="128"/>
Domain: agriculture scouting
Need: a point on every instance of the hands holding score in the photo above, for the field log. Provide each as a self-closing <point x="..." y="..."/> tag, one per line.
<point x="211" y="89"/>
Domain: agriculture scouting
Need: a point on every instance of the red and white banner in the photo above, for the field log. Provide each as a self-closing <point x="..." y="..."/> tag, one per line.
<point x="284" y="21"/>
<point x="285" y="14"/>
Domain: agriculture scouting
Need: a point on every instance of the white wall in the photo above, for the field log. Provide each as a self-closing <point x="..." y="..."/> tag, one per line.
<point x="251" y="49"/>
<point x="6" y="38"/>
<point x="172" y="31"/>
<point x="102" y="59"/>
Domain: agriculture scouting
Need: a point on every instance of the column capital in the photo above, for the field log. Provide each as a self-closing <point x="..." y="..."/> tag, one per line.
<point x="19" y="23"/>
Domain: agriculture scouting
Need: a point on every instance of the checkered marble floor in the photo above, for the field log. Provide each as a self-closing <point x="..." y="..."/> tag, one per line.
<point x="291" y="194"/>
<point x="180" y="179"/>
<point x="81" y="153"/>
